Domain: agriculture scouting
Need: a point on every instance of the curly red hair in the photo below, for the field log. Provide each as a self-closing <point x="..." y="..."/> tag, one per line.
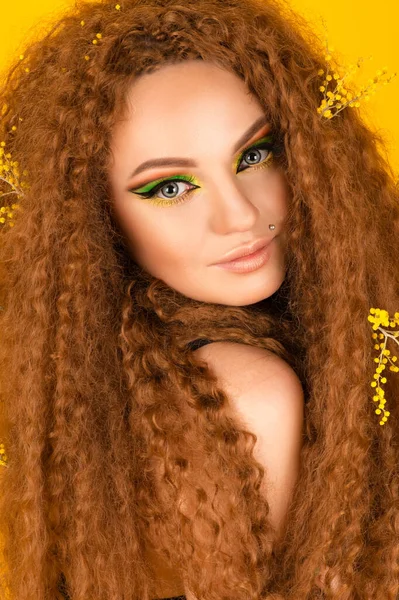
<point x="100" y="393"/>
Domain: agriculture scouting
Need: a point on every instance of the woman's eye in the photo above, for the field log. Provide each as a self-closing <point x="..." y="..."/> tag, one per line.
<point x="256" y="153"/>
<point x="171" y="189"/>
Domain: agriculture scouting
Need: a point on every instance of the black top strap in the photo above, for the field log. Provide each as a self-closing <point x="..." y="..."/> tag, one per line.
<point x="173" y="598"/>
<point x="198" y="343"/>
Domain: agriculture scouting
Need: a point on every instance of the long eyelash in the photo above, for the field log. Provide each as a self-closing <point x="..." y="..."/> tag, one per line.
<point x="163" y="201"/>
<point x="262" y="144"/>
<point x="266" y="162"/>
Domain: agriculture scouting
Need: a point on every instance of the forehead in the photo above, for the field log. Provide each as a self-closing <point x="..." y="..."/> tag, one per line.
<point x="193" y="95"/>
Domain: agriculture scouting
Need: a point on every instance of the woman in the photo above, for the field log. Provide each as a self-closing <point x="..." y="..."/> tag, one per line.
<point x="143" y="464"/>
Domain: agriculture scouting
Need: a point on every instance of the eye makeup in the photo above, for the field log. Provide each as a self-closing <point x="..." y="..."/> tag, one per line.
<point x="158" y="184"/>
<point x="149" y="190"/>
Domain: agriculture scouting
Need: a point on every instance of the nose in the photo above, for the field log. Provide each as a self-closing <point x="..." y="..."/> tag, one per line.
<point x="231" y="209"/>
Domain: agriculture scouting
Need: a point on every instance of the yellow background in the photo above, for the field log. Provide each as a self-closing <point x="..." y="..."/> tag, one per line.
<point x="356" y="28"/>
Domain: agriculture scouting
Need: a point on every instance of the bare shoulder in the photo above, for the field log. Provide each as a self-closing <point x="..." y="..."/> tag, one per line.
<point x="266" y="396"/>
<point x="255" y="374"/>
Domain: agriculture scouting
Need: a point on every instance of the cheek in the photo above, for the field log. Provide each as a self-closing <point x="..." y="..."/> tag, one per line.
<point x="152" y="237"/>
<point x="284" y="195"/>
<point x="161" y="242"/>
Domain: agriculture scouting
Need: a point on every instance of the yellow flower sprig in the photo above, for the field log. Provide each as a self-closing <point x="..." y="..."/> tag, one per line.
<point x="3" y="456"/>
<point x="339" y="97"/>
<point x="8" y="218"/>
<point x="380" y="320"/>
<point x="10" y="175"/>
<point x="98" y="35"/>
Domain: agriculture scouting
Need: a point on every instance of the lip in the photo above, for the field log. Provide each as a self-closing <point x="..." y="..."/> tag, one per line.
<point x="245" y="250"/>
<point x="250" y="262"/>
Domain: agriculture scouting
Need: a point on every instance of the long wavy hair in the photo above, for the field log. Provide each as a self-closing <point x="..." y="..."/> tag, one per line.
<point x="118" y="438"/>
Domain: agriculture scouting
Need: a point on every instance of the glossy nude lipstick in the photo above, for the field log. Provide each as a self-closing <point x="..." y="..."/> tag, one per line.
<point x="251" y="262"/>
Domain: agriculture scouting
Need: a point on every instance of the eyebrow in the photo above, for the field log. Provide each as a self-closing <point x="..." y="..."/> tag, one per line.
<point x="188" y="162"/>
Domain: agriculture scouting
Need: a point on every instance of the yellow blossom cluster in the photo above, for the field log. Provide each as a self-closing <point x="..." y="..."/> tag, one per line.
<point x="98" y="35"/>
<point x="381" y="320"/>
<point x="9" y="174"/>
<point x="3" y="456"/>
<point x="337" y="98"/>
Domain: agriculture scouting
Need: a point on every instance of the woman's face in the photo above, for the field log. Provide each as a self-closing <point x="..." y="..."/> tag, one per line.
<point x="198" y="112"/>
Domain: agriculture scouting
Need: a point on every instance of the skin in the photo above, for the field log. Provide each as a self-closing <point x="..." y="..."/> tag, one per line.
<point x="197" y="110"/>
